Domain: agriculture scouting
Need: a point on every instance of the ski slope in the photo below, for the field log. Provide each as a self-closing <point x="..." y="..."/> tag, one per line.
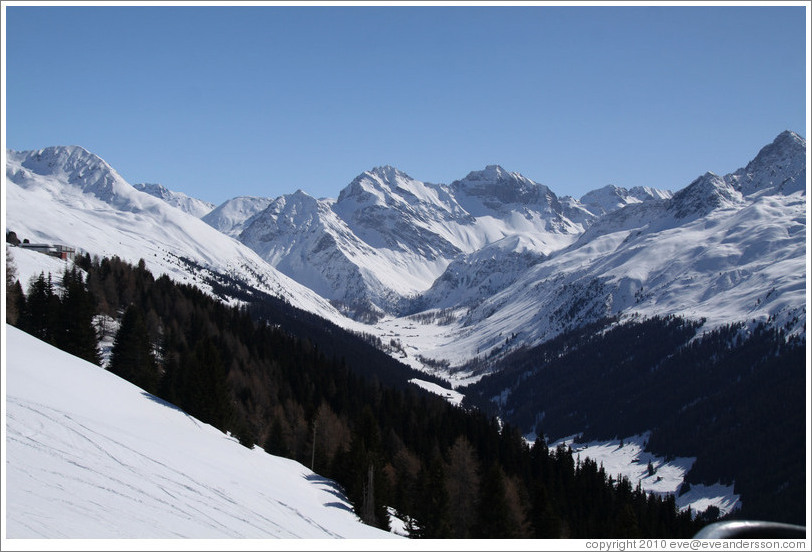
<point x="88" y="455"/>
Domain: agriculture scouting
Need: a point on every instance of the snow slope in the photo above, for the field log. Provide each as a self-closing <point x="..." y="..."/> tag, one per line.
<point x="192" y="205"/>
<point x="67" y="195"/>
<point x="89" y="455"/>
<point x="230" y="216"/>
<point x="610" y="198"/>
<point x="626" y="457"/>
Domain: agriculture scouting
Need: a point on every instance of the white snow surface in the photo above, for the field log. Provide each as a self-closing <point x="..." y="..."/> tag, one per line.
<point x="192" y="205"/>
<point x="452" y="396"/>
<point x="626" y="457"/>
<point x="89" y="455"/>
<point x="230" y="216"/>
<point x="610" y="198"/>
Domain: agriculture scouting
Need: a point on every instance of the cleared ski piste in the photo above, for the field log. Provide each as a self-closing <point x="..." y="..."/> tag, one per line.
<point x="88" y="455"/>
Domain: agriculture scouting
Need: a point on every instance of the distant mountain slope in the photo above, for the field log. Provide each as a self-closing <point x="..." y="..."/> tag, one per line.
<point x="610" y="198"/>
<point x="231" y="216"/>
<point x="70" y="196"/>
<point x="193" y="206"/>
<point x="725" y="249"/>
<point x="90" y="455"/>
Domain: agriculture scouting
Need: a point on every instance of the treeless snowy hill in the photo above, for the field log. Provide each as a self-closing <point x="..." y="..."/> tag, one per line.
<point x="89" y="455"/>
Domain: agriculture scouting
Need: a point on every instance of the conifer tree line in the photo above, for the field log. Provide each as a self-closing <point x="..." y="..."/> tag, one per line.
<point x="451" y="472"/>
<point x="62" y="318"/>
<point x="733" y="398"/>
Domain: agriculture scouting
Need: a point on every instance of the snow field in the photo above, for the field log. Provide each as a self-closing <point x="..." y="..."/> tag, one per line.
<point x="626" y="457"/>
<point x="89" y="455"/>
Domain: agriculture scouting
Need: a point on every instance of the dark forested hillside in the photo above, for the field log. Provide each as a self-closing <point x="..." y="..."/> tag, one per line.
<point x="285" y="381"/>
<point x="733" y="398"/>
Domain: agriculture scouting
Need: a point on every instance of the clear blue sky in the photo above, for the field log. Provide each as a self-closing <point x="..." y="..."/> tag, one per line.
<point x="263" y="100"/>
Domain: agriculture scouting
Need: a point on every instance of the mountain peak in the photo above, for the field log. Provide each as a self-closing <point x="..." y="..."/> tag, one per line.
<point x="787" y="144"/>
<point x="778" y="167"/>
<point x="65" y="159"/>
<point x="496" y="186"/>
<point x="703" y="195"/>
<point x="789" y="137"/>
<point x="374" y="185"/>
<point x="493" y="173"/>
<point x="386" y="172"/>
<point x="76" y="166"/>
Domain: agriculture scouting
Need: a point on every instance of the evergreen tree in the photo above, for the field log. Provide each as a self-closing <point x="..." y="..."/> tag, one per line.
<point x="462" y="487"/>
<point x="42" y="309"/>
<point x="132" y="356"/>
<point x="204" y="391"/>
<point x="15" y="300"/>
<point x="433" y="507"/>
<point x="77" y="335"/>
<point x="493" y="520"/>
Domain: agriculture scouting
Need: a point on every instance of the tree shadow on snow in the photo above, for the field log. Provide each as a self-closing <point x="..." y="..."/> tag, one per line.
<point x="331" y="487"/>
<point x="162" y="402"/>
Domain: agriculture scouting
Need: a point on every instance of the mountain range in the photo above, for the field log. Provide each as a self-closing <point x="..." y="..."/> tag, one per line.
<point x="454" y="272"/>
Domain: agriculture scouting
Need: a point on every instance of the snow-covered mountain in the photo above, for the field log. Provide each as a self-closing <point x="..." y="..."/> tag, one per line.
<point x="89" y="455"/>
<point x="193" y="206"/>
<point x="470" y="277"/>
<point x="610" y="198"/>
<point x="725" y="249"/>
<point x="67" y="195"/>
<point x="388" y="237"/>
<point x="230" y="216"/>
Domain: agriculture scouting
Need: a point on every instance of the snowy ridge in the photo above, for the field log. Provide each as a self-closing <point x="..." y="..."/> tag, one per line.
<point x="129" y="465"/>
<point x="193" y="206"/>
<point x="469" y="278"/>
<point x="780" y="167"/>
<point x="610" y="198"/>
<point x="230" y="216"/>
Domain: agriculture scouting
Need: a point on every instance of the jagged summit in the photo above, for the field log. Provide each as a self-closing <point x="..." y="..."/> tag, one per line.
<point x="779" y="167"/>
<point x="73" y="164"/>
<point x="496" y="173"/>
<point x="387" y="173"/>
<point x="374" y="186"/>
<point x="496" y="188"/>
<point x="786" y="148"/>
<point x="74" y="160"/>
